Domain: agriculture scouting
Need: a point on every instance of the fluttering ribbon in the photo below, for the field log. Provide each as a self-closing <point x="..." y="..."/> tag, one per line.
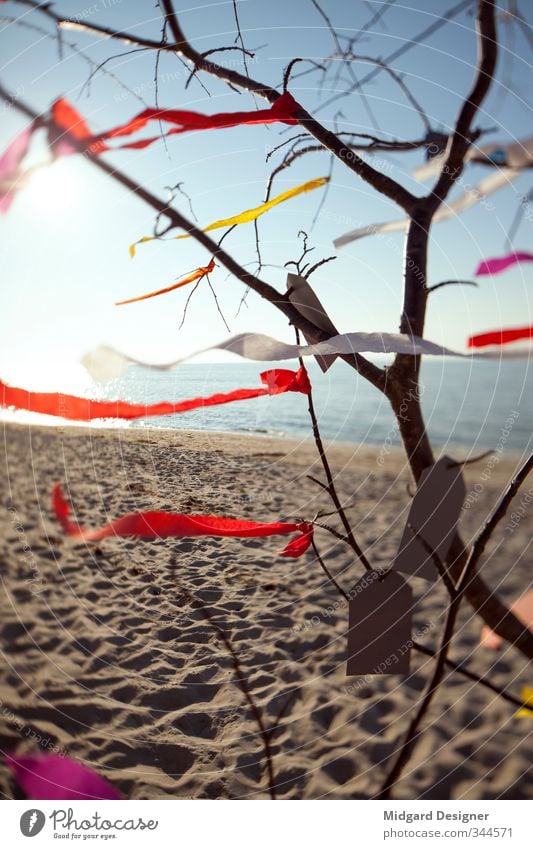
<point x="69" y="133"/>
<point x="246" y="216"/>
<point x="54" y="776"/>
<point x="500" y="263"/>
<point x="160" y="525"/>
<point x="11" y="173"/>
<point x="465" y="201"/>
<point x="199" y="274"/>
<point x="70" y="121"/>
<point x="276" y="382"/>
<point x="527" y="697"/>
<point x="500" y="337"/>
<point x="105" y="363"/>
<point x="516" y="155"/>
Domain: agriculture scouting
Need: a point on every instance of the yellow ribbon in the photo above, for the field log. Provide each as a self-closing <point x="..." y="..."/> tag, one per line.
<point x="248" y="214"/>
<point x="527" y="697"/>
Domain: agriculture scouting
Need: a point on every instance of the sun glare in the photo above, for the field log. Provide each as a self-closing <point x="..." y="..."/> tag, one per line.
<point x="53" y="188"/>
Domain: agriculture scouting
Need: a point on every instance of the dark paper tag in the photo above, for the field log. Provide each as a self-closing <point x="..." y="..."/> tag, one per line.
<point x="434" y="514"/>
<point x="306" y="302"/>
<point x="379" y="635"/>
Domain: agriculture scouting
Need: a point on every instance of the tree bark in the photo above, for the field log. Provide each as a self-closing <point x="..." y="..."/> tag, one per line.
<point x="403" y="392"/>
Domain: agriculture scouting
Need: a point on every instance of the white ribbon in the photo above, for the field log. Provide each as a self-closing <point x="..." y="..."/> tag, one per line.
<point x="468" y="199"/>
<point x="106" y="363"/>
<point x="516" y="155"/>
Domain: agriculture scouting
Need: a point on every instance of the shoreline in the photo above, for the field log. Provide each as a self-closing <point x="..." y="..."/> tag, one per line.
<point x="511" y="456"/>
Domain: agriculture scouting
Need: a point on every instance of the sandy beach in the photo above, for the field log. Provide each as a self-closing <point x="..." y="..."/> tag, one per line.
<point x="114" y="653"/>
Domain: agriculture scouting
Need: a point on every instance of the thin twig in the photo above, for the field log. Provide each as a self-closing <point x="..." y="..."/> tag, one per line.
<point x="332" y="491"/>
<point x="288" y="70"/>
<point x="405" y="46"/>
<point x="314" y="267"/>
<point x="182" y="48"/>
<point x="187" y="302"/>
<point x="441" y="568"/>
<point x="456" y="463"/>
<point x="478" y="679"/>
<point x="327" y="572"/>
<point x="243" y="684"/>
<point x="315" y="480"/>
<point x="330" y="530"/>
<point x="497" y="515"/>
<point x="450" y="283"/>
<point x="217" y="303"/>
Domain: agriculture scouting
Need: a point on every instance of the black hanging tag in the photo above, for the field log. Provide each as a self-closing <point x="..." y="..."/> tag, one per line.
<point x="434" y="514"/>
<point x="379" y="635"/>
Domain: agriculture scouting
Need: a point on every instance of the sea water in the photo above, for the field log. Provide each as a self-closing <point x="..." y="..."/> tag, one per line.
<point x="472" y="404"/>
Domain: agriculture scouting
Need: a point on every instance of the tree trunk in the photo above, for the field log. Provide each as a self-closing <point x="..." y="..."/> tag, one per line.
<point x="403" y="392"/>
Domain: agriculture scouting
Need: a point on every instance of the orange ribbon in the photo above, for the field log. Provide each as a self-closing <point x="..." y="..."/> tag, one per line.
<point x="196" y="275"/>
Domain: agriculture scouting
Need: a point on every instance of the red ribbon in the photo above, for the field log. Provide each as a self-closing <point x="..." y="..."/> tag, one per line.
<point x="276" y="382"/>
<point x="69" y="133"/>
<point x="67" y="119"/>
<point x="159" y="525"/>
<point x="500" y="337"/>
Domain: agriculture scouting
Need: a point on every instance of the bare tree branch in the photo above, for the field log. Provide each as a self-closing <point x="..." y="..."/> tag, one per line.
<point x="367" y="369"/>
<point x="181" y="47"/>
<point x="398" y="79"/>
<point x="330" y="486"/>
<point x="415" y="41"/>
<point x="451" y="283"/>
<point x="461" y="137"/>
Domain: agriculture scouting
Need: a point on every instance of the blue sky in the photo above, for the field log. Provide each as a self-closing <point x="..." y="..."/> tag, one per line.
<point x="64" y="245"/>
